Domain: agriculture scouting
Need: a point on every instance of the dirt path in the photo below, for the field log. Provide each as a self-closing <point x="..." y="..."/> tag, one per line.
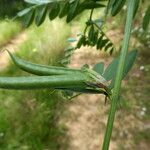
<point x="12" y="46"/>
<point x="87" y="114"/>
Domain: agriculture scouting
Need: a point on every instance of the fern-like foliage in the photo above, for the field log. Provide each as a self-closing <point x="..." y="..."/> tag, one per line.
<point x="93" y="34"/>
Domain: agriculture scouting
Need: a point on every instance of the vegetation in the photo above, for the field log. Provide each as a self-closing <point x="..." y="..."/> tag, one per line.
<point x="14" y="7"/>
<point x="93" y="35"/>
<point x="32" y="121"/>
<point x="8" y="30"/>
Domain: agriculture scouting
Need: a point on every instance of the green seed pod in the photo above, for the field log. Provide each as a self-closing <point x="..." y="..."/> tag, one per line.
<point x="60" y="81"/>
<point x="41" y="69"/>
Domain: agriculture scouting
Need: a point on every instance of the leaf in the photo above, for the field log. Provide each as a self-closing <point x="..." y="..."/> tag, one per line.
<point x="103" y="43"/>
<point x="91" y="34"/>
<point x="24" y="12"/>
<point x="81" y="41"/>
<point x="117" y="6"/>
<point x="69" y="49"/>
<point x="71" y="40"/>
<point x="72" y="10"/>
<point x="146" y="19"/>
<point x="64" y="10"/>
<point x="99" y="68"/>
<point x="98" y="22"/>
<point x="111" y="50"/>
<point x="28" y="19"/>
<point x="91" y="5"/>
<point x="129" y="62"/>
<point x="108" y="46"/>
<point x="40" y="14"/>
<point x="99" y="41"/>
<point x="95" y="38"/>
<point x="39" y="2"/>
<point x="109" y="5"/>
<point x="54" y="11"/>
<point x="136" y="7"/>
<point x="111" y="70"/>
<point x="65" y="61"/>
<point x="68" y="53"/>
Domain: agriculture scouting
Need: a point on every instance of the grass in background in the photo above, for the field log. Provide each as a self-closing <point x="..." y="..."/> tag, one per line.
<point x="30" y="119"/>
<point x="8" y="30"/>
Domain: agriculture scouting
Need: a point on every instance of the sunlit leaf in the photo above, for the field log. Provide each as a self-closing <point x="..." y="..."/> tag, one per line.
<point x="24" y="12"/>
<point x="71" y="40"/>
<point x="39" y="2"/>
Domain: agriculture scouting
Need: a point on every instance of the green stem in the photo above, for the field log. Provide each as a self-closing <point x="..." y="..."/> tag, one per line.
<point x="116" y="91"/>
<point x="91" y="14"/>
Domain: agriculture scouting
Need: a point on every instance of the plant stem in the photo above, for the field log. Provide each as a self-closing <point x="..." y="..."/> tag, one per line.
<point x="116" y="91"/>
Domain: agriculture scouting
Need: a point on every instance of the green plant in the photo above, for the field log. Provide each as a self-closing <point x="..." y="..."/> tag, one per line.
<point x="29" y="118"/>
<point x="85" y="80"/>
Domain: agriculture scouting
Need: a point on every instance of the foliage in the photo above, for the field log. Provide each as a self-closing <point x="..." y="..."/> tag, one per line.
<point x="146" y="19"/>
<point x="14" y="7"/>
<point x="92" y="35"/>
<point x="142" y="32"/>
<point x="29" y="119"/>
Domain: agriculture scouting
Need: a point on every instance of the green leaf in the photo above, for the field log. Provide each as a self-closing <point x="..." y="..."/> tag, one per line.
<point x="98" y="22"/>
<point x="99" y="41"/>
<point x="136" y="7"/>
<point x="103" y="43"/>
<point x="71" y="40"/>
<point x="81" y="41"/>
<point x="69" y="49"/>
<point x="109" y="5"/>
<point x="39" y="2"/>
<point x="111" y="50"/>
<point x="95" y="38"/>
<point x="68" y="54"/>
<point x="117" y="6"/>
<point x="64" y="10"/>
<point x="28" y="19"/>
<point x="24" y="12"/>
<point x="65" y="61"/>
<point x="72" y="10"/>
<point x="91" y="34"/>
<point x="111" y="70"/>
<point x="91" y="5"/>
<point x="109" y="45"/>
<point x="146" y="19"/>
<point x="40" y="14"/>
<point x="54" y="11"/>
<point x="99" y="68"/>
